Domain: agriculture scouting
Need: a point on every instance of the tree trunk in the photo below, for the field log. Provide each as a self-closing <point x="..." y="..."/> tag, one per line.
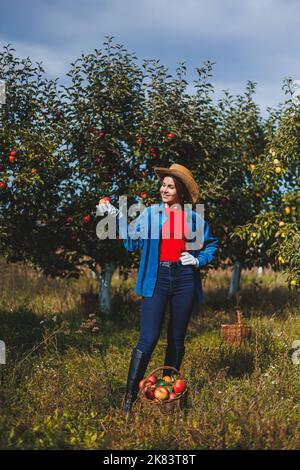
<point x="235" y="279"/>
<point x="104" y="281"/>
<point x="260" y="271"/>
<point x="2" y="352"/>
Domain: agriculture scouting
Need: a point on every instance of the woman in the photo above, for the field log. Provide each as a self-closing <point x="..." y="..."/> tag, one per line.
<point x="168" y="273"/>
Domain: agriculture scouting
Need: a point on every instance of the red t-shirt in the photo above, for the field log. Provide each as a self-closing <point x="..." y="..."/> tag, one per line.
<point x="170" y="247"/>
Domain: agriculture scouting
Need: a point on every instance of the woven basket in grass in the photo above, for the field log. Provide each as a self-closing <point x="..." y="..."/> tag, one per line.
<point x="236" y="333"/>
<point x="165" y="406"/>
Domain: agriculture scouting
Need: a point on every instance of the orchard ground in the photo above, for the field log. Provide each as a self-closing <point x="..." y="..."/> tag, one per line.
<point x="66" y="369"/>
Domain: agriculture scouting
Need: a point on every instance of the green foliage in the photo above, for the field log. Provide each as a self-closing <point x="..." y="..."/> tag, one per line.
<point x="274" y="233"/>
<point x="62" y="147"/>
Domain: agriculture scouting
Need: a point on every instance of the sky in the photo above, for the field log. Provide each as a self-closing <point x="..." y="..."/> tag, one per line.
<point x="247" y="39"/>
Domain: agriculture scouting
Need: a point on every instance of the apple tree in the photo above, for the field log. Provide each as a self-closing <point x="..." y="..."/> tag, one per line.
<point x="276" y="227"/>
<point x="33" y="165"/>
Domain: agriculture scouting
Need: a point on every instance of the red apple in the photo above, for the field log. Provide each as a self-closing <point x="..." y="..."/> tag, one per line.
<point x="101" y="134"/>
<point x="142" y="383"/>
<point x="11" y="159"/>
<point x="179" y="386"/>
<point x="143" y="195"/>
<point x="161" y="393"/>
<point x="104" y="200"/>
<point x="2" y="184"/>
<point x="170" y="136"/>
<point x="86" y="219"/>
<point x="69" y="220"/>
<point x="139" y="141"/>
<point x="13" y="152"/>
<point x="149" y="394"/>
<point x="172" y="396"/>
<point x="153" y="152"/>
<point x="152" y="379"/>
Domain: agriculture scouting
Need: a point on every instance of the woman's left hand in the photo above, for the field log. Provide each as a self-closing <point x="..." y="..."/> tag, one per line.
<point x="186" y="259"/>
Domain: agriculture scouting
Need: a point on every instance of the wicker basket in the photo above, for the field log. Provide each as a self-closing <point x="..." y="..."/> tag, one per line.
<point x="236" y="333"/>
<point x="165" y="406"/>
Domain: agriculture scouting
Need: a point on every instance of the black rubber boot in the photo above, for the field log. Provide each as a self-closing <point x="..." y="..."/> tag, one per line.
<point x="137" y="368"/>
<point x="172" y="358"/>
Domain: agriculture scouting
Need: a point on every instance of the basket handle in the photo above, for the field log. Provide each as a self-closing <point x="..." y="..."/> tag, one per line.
<point x="164" y="368"/>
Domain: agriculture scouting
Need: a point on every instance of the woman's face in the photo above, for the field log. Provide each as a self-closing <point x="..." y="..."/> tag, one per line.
<point x="168" y="191"/>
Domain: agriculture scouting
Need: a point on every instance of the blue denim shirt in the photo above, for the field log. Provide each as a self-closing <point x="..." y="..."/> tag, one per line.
<point x="137" y="239"/>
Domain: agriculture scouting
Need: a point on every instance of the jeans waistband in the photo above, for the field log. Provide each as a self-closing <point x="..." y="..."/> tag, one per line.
<point x="168" y="264"/>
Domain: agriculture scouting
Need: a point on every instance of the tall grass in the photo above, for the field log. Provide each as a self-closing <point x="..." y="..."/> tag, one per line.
<point x="66" y="368"/>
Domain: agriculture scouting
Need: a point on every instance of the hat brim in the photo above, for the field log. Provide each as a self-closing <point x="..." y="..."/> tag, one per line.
<point x="188" y="181"/>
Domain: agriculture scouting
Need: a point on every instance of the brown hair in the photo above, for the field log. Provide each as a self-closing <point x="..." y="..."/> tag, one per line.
<point x="182" y="192"/>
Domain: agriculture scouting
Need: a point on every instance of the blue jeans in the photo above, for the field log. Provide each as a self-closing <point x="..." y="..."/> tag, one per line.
<point x="176" y="285"/>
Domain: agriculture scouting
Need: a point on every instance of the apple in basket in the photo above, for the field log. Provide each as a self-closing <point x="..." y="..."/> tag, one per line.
<point x="152" y="379"/>
<point x="161" y="393"/>
<point x="179" y="386"/>
<point x="149" y="394"/>
<point x="142" y="384"/>
<point x="168" y="378"/>
<point x="149" y="382"/>
<point x="172" y="396"/>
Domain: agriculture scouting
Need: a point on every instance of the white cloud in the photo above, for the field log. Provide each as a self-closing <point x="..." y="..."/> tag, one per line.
<point x="253" y="39"/>
<point x="54" y="63"/>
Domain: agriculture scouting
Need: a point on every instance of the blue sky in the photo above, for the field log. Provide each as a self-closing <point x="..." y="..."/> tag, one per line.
<point x="248" y="39"/>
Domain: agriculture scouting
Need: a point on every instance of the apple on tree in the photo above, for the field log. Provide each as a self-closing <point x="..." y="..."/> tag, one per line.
<point x="105" y="199"/>
<point x="86" y="219"/>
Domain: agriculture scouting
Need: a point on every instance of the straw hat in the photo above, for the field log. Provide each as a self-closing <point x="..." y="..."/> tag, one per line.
<point x="184" y="175"/>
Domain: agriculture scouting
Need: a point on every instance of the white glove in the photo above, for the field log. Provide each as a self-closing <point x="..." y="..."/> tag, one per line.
<point x="106" y="206"/>
<point x="188" y="259"/>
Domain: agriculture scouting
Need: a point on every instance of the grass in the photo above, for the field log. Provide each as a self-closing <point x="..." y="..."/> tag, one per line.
<point x="66" y="368"/>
